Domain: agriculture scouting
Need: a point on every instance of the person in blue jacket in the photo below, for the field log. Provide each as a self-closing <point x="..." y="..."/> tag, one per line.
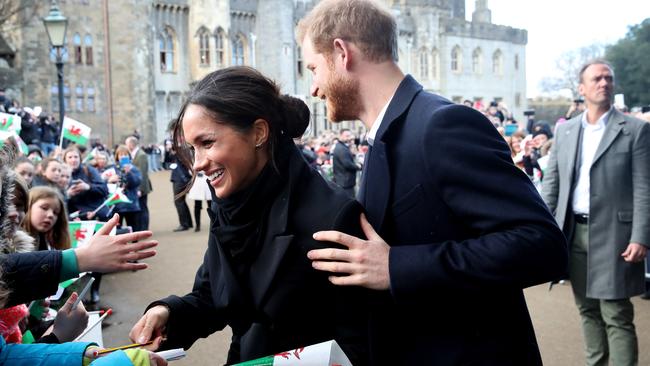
<point x="73" y="354"/>
<point x="128" y="178"/>
<point x="87" y="190"/>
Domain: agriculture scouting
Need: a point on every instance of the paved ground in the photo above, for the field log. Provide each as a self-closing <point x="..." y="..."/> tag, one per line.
<point x="179" y="254"/>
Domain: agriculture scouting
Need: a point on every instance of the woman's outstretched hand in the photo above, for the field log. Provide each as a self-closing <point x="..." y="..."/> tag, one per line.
<point x="151" y="327"/>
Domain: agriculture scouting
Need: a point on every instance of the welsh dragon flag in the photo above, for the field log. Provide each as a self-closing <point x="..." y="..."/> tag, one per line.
<point x="82" y="231"/>
<point x="75" y="131"/>
<point x="10" y="122"/>
<point x="322" y="354"/>
<point x="117" y="197"/>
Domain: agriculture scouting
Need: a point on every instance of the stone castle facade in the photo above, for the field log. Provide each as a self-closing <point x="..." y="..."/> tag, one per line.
<point x="130" y="63"/>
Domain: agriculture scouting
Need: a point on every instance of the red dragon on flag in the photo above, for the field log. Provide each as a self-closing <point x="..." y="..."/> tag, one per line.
<point x="80" y="234"/>
<point x="74" y="130"/>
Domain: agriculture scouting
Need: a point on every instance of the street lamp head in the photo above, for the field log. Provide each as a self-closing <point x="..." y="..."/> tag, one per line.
<point x="56" y="25"/>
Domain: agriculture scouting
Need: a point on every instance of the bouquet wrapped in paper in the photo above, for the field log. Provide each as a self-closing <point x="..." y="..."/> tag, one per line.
<point x="322" y="354"/>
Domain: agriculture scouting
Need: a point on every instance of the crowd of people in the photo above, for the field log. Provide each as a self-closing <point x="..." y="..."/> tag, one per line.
<point x="43" y="190"/>
<point x="454" y="202"/>
<point x="36" y="255"/>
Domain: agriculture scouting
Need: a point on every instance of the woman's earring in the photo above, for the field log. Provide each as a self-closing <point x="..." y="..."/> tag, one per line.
<point x="258" y="146"/>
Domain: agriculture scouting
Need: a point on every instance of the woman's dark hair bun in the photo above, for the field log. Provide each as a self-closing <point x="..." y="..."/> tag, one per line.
<point x="296" y="115"/>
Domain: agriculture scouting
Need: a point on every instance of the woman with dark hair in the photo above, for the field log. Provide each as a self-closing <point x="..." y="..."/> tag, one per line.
<point x="267" y="203"/>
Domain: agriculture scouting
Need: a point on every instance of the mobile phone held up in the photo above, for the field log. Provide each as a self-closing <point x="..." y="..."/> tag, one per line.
<point x="125" y="160"/>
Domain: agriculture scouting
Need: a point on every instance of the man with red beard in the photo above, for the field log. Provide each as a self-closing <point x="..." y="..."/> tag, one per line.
<point x="450" y="220"/>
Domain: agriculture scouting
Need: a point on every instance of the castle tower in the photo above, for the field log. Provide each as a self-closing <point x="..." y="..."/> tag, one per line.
<point x="481" y="13"/>
<point x="276" y="51"/>
<point x="458" y="9"/>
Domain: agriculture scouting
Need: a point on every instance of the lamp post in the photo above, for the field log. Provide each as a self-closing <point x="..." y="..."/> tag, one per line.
<point x="56" y="25"/>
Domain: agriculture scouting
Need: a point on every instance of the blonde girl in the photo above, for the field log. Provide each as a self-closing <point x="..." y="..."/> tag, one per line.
<point x="46" y="219"/>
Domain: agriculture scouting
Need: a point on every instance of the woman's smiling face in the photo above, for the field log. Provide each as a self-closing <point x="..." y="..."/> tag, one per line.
<point x="231" y="159"/>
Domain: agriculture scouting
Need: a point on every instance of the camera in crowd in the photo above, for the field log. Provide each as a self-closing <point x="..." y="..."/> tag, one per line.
<point x="529" y="112"/>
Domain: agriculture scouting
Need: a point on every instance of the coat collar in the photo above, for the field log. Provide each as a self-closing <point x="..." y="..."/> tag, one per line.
<point x="404" y="95"/>
<point x="615" y="124"/>
<point x="376" y="184"/>
<point x="276" y="242"/>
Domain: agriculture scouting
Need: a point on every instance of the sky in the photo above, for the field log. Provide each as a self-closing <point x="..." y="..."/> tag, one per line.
<point x="557" y="26"/>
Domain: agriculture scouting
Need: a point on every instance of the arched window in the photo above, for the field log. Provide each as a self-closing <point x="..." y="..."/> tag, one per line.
<point x="516" y="61"/>
<point x="424" y="63"/>
<point x="54" y="97"/>
<point x="497" y="62"/>
<point x="67" y="96"/>
<point x="299" y="63"/>
<point x="90" y="98"/>
<point x="204" y="47"/>
<point x="219" y="48"/>
<point x="238" y="54"/>
<point x="79" y="97"/>
<point x="435" y="64"/>
<point x="76" y="41"/>
<point x="88" y="43"/>
<point x="456" y="59"/>
<point x="477" y="61"/>
<point x="166" y="43"/>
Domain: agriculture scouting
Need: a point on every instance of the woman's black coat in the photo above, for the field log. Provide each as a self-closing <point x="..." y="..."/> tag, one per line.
<point x="286" y="304"/>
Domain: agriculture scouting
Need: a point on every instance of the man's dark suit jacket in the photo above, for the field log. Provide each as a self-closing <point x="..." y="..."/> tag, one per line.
<point x="344" y="167"/>
<point x="285" y="303"/>
<point x="468" y="231"/>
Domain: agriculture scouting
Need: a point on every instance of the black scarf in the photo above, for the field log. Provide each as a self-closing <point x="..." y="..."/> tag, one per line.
<point x="243" y="216"/>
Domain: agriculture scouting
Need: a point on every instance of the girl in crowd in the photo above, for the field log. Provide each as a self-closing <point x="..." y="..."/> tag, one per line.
<point x="267" y="203"/>
<point x="516" y="151"/>
<point x="50" y="174"/>
<point x="87" y="190"/>
<point x="25" y="168"/>
<point x="46" y="219"/>
<point x="64" y="179"/>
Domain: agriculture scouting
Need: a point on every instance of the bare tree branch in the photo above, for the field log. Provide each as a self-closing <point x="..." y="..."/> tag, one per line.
<point x="16" y="13"/>
<point x="568" y="65"/>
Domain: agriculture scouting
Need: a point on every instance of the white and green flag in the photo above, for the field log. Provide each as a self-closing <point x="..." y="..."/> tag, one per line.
<point x="75" y="131"/>
<point x="322" y="354"/>
<point x="10" y="122"/>
<point x="82" y="231"/>
<point x="117" y="197"/>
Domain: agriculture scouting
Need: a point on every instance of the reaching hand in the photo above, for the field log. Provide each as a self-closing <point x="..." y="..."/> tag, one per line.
<point x="70" y="323"/>
<point x="106" y="253"/>
<point x="151" y="326"/>
<point x="365" y="261"/>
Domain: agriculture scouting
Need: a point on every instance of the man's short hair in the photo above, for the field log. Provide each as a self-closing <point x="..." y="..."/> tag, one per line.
<point x="362" y="22"/>
<point x="344" y="130"/>
<point x="132" y="140"/>
<point x="596" y="61"/>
